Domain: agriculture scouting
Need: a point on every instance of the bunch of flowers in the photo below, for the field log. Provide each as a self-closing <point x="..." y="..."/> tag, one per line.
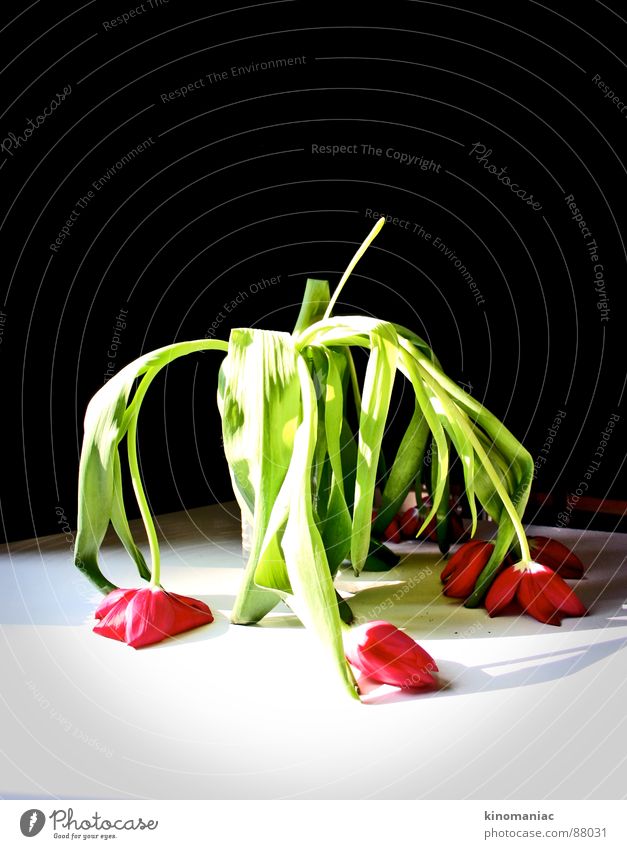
<point x="305" y="481"/>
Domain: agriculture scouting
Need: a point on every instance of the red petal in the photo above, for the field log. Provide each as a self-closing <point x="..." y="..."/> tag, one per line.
<point x="391" y="533"/>
<point x="551" y="553"/>
<point x="113" y="625"/>
<point x="115" y="597"/>
<point x="189" y="613"/>
<point x="533" y="600"/>
<point x="460" y="558"/>
<point x="399" y="671"/>
<point x="462" y="582"/>
<point x="409" y="522"/>
<point x="388" y="655"/>
<point x="149" y="618"/>
<point x="503" y="590"/>
<point x="150" y="615"/>
<point x="560" y="595"/>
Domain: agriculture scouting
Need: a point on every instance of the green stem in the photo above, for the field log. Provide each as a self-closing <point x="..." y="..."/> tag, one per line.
<point x="140" y="495"/>
<point x="351" y="265"/>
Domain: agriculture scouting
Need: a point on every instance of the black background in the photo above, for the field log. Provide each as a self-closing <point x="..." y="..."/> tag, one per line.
<point x="230" y="192"/>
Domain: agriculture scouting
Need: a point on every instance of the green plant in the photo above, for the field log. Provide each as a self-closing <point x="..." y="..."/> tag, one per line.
<point x="301" y="476"/>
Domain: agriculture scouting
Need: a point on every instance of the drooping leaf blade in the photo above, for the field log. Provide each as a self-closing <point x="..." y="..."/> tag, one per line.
<point x="313" y="597"/>
<point x="260" y="407"/>
<point x="106" y="422"/>
<point x="375" y="404"/>
<point x="425" y="400"/>
<point x="314" y="304"/>
<point x="404" y="469"/>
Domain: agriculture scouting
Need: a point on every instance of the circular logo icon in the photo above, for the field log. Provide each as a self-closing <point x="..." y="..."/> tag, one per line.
<point x="32" y="822"/>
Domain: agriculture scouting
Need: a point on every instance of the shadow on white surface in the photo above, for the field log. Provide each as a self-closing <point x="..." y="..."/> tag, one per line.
<point x="456" y="677"/>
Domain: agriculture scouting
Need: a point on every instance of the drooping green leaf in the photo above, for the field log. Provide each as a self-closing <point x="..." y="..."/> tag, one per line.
<point x="335" y="527"/>
<point x="457" y="425"/>
<point x="107" y="420"/>
<point x="518" y="458"/>
<point x="315" y="302"/>
<point x="120" y="521"/>
<point x="404" y="469"/>
<point x="260" y="408"/>
<point x="380" y="558"/>
<point x="442" y="511"/>
<point x="375" y="403"/>
<point x="430" y="412"/>
<point x="313" y="597"/>
<point x="348" y="456"/>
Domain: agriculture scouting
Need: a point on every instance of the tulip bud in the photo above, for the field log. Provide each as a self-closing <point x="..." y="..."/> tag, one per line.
<point x="463" y="569"/>
<point x="409" y="523"/>
<point x="392" y="532"/>
<point x="559" y="558"/>
<point x="538" y="590"/>
<point x="390" y="656"/>
<point x="140" y="617"/>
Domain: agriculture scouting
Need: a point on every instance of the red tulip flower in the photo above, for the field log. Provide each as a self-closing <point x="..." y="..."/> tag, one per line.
<point x="464" y="567"/>
<point x="392" y="532"/>
<point x="390" y="656"/>
<point x="551" y="553"/>
<point x="409" y="522"/>
<point x="539" y="590"/>
<point x="140" y="617"/>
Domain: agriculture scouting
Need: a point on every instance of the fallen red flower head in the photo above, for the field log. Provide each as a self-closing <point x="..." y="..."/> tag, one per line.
<point x="140" y="617"/>
<point x="411" y="520"/>
<point x="559" y="558"/>
<point x="390" y="656"/>
<point x="464" y="567"/>
<point x="539" y="590"/>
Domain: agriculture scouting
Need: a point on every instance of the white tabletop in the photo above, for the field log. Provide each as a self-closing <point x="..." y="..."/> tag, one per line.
<point x="524" y="710"/>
